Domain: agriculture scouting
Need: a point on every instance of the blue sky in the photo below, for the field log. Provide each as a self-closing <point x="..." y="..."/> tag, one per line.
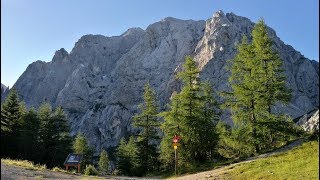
<point x="34" y="29"/>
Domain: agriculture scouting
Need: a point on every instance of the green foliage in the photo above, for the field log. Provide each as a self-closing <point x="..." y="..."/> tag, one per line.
<point x="28" y="138"/>
<point x="42" y="137"/>
<point x="128" y="158"/>
<point x="192" y="114"/>
<point x="80" y="146"/>
<point x="148" y="125"/>
<point x="236" y="142"/>
<point x="11" y="113"/>
<point x="257" y="84"/>
<point x="91" y="171"/>
<point x="104" y="162"/>
<point x="55" y="142"/>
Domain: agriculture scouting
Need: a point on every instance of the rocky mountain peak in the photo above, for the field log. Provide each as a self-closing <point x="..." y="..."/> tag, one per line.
<point x="60" y="54"/>
<point x="133" y="32"/>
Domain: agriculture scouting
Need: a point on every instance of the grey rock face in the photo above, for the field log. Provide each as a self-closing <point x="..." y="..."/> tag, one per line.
<point x="310" y="123"/>
<point x="4" y="92"/>
<point x="100" y="82"/>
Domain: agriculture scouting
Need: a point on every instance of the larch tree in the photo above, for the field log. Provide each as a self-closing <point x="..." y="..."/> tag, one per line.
<point x="257" y="83"/>
<point x="148" y="124"/>
<point x="190" y="117"/>
<point x="81" y="146"/>
<point x="103" y="162"/>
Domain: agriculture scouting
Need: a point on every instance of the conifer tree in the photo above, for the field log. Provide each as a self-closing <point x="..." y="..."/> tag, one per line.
<point x="29" y="136"/>
<point x="61" y="136"/>
<point x="257" y="84"/>
<point x="104" y="162"/>
<point x="189" y="116"/>
<point x="80" y="146"/>
<point x="11" y="113"/>
<point x="54" y="136"/>
<point x="128" y="158"/>
<point x="147" y="122"/>
<point x="272" y="87"/>
<point x="170" y="128"/>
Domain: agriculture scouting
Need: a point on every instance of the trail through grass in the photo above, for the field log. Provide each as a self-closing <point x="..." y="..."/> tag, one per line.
<point x="299" y="163"/>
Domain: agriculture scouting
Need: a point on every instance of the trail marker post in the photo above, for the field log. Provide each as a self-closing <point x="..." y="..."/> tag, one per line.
<point x="175" y="144"/>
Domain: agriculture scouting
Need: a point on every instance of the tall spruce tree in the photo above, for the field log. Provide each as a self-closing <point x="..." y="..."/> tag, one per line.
<point x="11" y="113"/>
<point x="148" y="124"/>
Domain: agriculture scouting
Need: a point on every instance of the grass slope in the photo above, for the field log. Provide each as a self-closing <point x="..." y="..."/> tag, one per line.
<point x="299" y="163"/>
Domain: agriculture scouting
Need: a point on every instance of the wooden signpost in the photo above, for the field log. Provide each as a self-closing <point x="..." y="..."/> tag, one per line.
<point x="73" y="160"/>
<point x="175" y="144"/>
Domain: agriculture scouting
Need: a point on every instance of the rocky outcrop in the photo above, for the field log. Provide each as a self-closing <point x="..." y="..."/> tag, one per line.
<point x="100" y="82"/>
<point x="310" y="121"/>
<point x="4" y="91"/>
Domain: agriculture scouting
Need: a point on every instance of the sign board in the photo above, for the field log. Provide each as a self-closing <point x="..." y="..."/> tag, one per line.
<point x="73" y="159"/>
<point x="176" y="139"/>
<point x="175" y="144"/>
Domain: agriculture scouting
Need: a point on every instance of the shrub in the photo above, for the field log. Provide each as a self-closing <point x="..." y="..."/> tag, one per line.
<point x="91" y="170"/>
<point x="57" y="169"/>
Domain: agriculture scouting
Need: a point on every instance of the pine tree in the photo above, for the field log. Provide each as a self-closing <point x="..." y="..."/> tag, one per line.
<point x="148" y="124"/>
<point x="80" y="146"/>
<point x="104" y="162"/>
<point x="128" y="158"/>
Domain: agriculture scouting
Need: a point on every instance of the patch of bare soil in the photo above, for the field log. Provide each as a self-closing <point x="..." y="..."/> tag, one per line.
<point x="18" y="173"/>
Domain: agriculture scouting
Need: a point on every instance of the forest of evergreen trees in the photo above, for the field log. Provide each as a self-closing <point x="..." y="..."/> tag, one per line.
<point x="257" y="83"/>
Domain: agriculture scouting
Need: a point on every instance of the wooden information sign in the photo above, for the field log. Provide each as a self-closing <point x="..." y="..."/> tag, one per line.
<point x="73" y="160"/>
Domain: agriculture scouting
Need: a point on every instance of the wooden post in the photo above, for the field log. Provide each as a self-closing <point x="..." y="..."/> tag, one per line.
<point x="176" y="162"/>
<point x="67" y="167"/>
<point x="79" y="168"/>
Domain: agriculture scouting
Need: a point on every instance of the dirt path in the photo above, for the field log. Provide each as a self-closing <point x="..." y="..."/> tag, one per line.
<point x="216" y="173"/>
<point x="9" y="172"/>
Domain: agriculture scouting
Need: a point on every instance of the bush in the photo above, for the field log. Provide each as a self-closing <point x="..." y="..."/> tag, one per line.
<point x="91" y="170"/>
<point x="57" y="169"/>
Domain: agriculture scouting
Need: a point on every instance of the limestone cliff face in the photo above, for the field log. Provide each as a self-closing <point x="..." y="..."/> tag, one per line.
<point x="100" y="82"/>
